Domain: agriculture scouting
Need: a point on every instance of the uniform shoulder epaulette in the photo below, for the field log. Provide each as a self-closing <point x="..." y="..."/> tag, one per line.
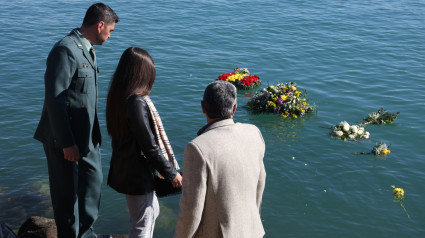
<point x="68" y="41"/>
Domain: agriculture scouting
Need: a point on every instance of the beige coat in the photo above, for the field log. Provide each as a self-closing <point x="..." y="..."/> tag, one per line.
<point x="223" y="184"/>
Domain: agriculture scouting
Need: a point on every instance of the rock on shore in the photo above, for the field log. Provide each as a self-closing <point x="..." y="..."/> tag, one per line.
<point x="39" y="227"/>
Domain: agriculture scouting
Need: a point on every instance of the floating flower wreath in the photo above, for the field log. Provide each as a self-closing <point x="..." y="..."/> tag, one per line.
<point x="381" y="149"/>
<point x="344" y="131"/>
<point x="283" y="99"/>
<point x="241" y="78"/>
<point x="380" y="117"/>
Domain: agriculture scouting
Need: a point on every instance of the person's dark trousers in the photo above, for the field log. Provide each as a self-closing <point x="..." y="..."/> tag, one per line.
<point x="75" y="191"/>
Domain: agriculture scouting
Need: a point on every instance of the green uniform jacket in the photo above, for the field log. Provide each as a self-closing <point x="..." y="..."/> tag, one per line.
<point x="70" y="107"/>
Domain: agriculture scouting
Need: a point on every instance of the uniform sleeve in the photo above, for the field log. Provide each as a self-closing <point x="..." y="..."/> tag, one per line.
<point x="138" y="114"/>
<point x="194" y="192"/>
<point x="59" y="72"/>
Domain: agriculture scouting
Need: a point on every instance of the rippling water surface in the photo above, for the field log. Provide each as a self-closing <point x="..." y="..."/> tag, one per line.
<point x="353" y="57"/>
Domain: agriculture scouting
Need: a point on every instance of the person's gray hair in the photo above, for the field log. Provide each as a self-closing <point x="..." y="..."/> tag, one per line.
<point x="219" y="99"/>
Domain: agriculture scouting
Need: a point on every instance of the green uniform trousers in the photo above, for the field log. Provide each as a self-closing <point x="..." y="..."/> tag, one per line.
<point x="75" y="191"/>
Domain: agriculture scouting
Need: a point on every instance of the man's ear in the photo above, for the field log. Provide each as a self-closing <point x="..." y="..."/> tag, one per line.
<point x="203" y="107"/>
<point x="234" y="109"/>
<point x="100" y="26"/>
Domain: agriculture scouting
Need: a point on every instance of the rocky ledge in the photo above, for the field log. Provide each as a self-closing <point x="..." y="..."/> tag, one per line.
<point x="39" y="227"/>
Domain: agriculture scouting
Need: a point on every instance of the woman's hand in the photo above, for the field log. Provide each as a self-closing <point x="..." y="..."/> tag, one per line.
<point x="177" y="181"/>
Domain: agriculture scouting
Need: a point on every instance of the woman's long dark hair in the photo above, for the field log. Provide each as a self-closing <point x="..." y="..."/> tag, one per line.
<point x="135" y="74"/>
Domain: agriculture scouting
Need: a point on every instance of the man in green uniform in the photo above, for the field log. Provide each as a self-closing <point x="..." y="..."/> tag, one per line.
<point x="69" y="127"/>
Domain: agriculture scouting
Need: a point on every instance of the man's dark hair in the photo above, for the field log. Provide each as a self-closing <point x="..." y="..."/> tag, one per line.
<point x="100" y="12"/>
<point x="219" y="99"/>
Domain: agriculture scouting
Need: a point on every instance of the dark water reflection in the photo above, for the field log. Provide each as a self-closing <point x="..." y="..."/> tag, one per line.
<point x="17" y="204"/>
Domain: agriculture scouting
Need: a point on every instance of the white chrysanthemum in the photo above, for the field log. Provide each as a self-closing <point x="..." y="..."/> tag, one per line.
<point x="366" y="133"/>
<point x="360" y="132"/>
<point x="366" y="136"/>
<point x="339" y="133"/>
<point x="346" y="127"/>
<point x="351" y="137"/>
<point x="354" y="129"/>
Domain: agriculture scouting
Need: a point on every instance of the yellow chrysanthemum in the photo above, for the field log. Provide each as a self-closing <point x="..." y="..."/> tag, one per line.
<point x="294" y="116"/>
<point x="298" y="94"/>
<point x="284" y="97"/>
<point x="234" y="77"/>
<point x="271" y="104"/>
<point x="399" y="195"/>
<point x="230" y="79"/>
<point x="398" y="192"/>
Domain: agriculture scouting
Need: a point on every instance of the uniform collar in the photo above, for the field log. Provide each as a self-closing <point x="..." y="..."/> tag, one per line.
<point x="84" y="41"/>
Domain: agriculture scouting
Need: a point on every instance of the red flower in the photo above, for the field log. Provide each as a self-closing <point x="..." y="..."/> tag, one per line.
<point x="225" y="76"/>
<point x="249" y="80"/>
<point x="246" y="82"/>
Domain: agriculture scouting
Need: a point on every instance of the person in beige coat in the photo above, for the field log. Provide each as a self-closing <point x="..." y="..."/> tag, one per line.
<point x="224" y="174"/>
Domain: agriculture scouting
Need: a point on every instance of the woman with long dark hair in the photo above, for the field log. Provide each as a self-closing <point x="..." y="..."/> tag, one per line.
<point x="139" y="143"/>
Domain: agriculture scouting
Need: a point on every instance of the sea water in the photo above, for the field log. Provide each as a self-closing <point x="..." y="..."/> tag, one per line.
<point x="352" y="57"/>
